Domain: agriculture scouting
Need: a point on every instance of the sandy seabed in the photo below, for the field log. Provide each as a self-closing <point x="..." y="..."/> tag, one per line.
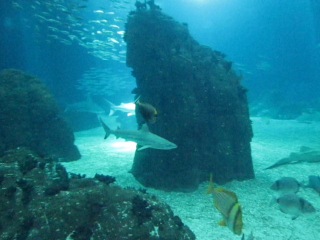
<point x="273" y="140"/>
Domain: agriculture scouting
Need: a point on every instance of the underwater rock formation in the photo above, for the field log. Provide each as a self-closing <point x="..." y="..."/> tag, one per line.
<point x="30" y="118"/>
<point x="201" y="103"/>
<point x="40" y="201"/>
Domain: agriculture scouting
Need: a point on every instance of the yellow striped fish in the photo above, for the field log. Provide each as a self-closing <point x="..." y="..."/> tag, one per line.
<point x="226" y="202"/>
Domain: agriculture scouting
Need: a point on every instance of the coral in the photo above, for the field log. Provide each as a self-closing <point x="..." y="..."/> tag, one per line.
<point x="87" y="210"/>
<point x="26" y="188"/>
<point x="1" y="178"/>
<point x="105" y="178"/>
<point x="59" y="183"/>
<point x="30" y="118"/>
<point x="141" y="209"/>
<point x="10" y="192"/>
<point x="29" y="163"/>
<point x="81" y="233"/>
<point x="24" y="227"/>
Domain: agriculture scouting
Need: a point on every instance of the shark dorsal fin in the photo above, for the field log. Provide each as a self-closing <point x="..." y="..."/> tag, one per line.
<point x="144" y="128"/>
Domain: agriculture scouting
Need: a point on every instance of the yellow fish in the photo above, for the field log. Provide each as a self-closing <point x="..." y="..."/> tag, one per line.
<point x="226" y="202"/>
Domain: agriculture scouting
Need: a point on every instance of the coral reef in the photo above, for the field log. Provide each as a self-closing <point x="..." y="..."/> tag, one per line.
<point x="202" y="105"/>
<point x="77" y="207"/>
<point x="105" y="178"/>
<point x="30" y="118"/>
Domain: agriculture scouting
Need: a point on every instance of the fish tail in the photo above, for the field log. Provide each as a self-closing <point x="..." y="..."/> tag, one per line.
<point x="111" y="105"/>
<point x="211" y="186"/>
<point x="106" y="129"/>
<point x="273" y="201"/>
<point x="136" y="101"/>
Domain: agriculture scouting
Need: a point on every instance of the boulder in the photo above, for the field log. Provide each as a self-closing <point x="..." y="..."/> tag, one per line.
<point x="39" y="200"/>
<point x="201" y="103"/>
<point x="29" y="117"/>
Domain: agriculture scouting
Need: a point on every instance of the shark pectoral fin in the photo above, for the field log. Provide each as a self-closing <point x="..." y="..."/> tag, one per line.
<point x="144" y="128"/>
<point x="111" y="112"/>
<point x="143" y="147"/>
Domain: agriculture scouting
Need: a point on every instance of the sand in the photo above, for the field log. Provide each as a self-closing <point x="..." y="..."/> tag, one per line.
<point x="273" y="140"/>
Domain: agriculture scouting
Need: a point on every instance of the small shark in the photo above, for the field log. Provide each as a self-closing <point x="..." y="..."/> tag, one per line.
<point x="85" y="106"/>
<point x="306" y="155"/>
<point x="142" y="137"/>
<point x="128" y="108"/>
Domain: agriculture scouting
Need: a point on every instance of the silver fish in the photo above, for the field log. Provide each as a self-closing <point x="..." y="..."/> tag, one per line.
<point x="286" y="185"/>
<point x="314" y="183"/>
<point x="128" y="108"/>
<point x="294" y="205"/>
<point x="86" y="106"/>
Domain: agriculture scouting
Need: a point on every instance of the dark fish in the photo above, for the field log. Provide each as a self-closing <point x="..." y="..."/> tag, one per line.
<point x="286" y="185"/>
<point x="294" y="205"/>
<point x="314" y="183"/>
<point x="148" y="112"/>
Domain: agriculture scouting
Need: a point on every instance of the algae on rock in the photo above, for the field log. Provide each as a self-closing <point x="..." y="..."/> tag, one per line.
<point x="43" y="202"/>
<point x="29" y="117"/>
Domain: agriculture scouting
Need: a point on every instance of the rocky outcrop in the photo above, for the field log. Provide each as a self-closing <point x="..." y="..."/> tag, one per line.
<point x="29" y="117"/>
<point x="40" y="201"/>
<point x="201" y="103"/>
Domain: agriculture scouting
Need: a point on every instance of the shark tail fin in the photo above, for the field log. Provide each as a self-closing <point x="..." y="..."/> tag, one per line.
<point x="112" y="105"/>
<point x="106" y="129"/>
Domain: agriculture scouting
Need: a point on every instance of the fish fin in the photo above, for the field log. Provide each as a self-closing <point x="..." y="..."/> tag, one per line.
<point x="111" y="112"/>
<point x="211" y="186"/>
<point x="295" y="217"/>
<point x="130" y="114"/>
<point x="273" y="201"/>
<point x="144" y="128"/>
<point x="137" y="99"/>
<point x="110" y="103"/>
<point x="106" y="129"/>
<point x="231" y="194"/>
<point x="222" y="223"/>
<point x="143" y="147"/>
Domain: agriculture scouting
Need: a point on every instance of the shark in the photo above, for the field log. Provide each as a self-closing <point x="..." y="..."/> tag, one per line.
<point x="128" y="108"/>
<point x="86" y="106"/>
<point x="306" y="155"/>
<point x="142" y="137"/>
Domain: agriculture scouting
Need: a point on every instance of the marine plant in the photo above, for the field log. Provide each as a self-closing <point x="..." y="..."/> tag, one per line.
<point x="105" y="178"/>
<point x="141" y="209"/>
<point x="30" y="118"/>
<point x="27" y="188"/>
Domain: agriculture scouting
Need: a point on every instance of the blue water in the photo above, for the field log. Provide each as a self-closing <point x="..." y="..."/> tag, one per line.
<point x="76" y="48"/>
<point x="273" y="44"/>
